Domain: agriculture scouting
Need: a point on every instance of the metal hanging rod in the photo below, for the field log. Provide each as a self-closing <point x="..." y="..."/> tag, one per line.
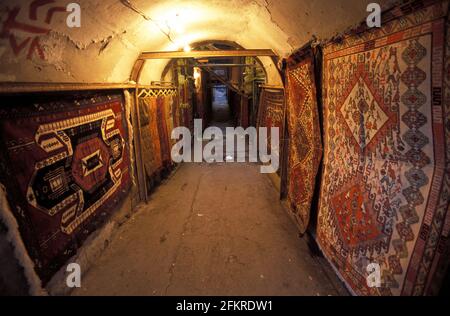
<point x="226" y="65"/>
<point x="208" y="53"/>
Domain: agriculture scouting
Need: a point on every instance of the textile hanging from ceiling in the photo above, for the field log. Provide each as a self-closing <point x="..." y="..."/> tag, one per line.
<point x="200" y="97"/>
<point x="150" y="141"/>
<point x="271" y="112"/>
<point x="162" y="106"/>
<point x="271" y="109"/>
<point x="305" y="141"/>
<point x="384" y="198"/>
<point x="156" y="124"/>
<point x="175" y="110"/>
<point x="186" y="106"/>
<point x="169" y="106"/>
<point x="65" y="165"/>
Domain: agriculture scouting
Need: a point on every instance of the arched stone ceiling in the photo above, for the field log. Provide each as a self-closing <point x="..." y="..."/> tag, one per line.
<point x="114" y="32"/>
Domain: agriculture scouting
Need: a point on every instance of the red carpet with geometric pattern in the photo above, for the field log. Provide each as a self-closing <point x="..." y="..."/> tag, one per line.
<point x="271" y="108"/>
<point x="67" y="166"/>
<point x="384" y="194"/>
<point x="271" y="112"/>
<point x="150" y="144"/>
<point x="163" y="132"/>
<point x="305" y="142"/>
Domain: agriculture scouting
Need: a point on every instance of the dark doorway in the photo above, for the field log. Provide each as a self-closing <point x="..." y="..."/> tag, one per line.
<point x="220" y="106"/>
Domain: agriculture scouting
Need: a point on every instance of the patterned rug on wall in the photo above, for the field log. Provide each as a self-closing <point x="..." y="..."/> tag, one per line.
<point x="271" y="112"/>
<point x="187" y="119"/>
<point x="150" y="140"/>
<point x="200" y="98"/>
<point x="156" y="123"/>
<point x="176" y="111"/>
<point x="271" y="108"/>
<point x="162" y="107"/>
<point x="305" y="142"/>
<point x="384" y="195"/>
<point x="169" y="106"/>
<point x="65" y="165"/>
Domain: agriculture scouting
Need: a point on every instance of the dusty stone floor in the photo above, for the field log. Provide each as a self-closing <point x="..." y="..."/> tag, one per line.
<point x="211" y="229"/>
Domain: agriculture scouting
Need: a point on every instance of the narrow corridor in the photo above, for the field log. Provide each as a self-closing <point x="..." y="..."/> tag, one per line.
<point x="325" y="167"/>
<point x="211" y="229"/>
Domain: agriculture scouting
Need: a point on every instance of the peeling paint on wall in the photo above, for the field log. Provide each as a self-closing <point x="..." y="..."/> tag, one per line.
<point x="41" y="47"/>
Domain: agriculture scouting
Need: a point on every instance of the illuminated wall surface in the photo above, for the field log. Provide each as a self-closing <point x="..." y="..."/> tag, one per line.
<point x="37" y="44"/>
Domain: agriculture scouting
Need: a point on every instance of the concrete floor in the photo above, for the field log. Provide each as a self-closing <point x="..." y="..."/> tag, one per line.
<point x="211" y="229"/>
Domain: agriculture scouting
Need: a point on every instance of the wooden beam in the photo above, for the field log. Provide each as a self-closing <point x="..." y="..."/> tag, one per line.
<point x="225" y="65"/>
<point x="33" y="87"/>
<point x="208" y="53"/>
<point x="155" y="87"/>
<point x="163" y="84"/>
<point x="266" y="86"/>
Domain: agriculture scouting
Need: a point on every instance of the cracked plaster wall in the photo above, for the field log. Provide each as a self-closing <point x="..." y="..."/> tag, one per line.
<point x="112" y="33"/>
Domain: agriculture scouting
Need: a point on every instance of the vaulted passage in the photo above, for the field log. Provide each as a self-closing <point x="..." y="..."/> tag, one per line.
<point x="224" y="147"/>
